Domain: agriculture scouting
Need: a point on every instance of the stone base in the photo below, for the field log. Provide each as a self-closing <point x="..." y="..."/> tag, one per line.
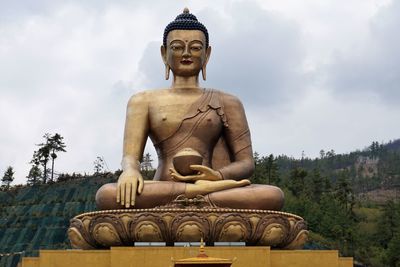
<point x="187" y="221"/>
<point x="163" y="256"/>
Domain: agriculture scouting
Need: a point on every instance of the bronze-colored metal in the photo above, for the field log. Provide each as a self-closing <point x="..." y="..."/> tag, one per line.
<point x="202" y="259"/>
<point x="188" y="116"/>
<point x="161" y="193"/>
<point x="184" y="159"/>
<point x="187" y="220"/>
<point x="200" y="189"/>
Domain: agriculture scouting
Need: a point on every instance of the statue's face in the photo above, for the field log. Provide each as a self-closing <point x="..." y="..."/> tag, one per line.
<point x="185" y="52"/>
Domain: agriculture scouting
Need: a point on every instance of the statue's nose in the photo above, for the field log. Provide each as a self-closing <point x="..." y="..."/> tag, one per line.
<point x="186" y="52"/>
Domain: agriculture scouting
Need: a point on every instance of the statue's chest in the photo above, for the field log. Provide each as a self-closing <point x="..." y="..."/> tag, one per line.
<point x="168" y="118"/>
<point x="166" y="115"/>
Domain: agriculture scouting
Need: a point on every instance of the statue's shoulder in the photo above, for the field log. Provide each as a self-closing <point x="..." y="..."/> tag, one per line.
<point x="146" y="96"/>
<point x="228" y="99"/>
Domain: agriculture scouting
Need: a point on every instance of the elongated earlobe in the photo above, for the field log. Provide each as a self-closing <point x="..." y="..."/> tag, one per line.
<point x="167" y="68"/>
<point x="203" y="69"/>
<point x="204" y="73"/>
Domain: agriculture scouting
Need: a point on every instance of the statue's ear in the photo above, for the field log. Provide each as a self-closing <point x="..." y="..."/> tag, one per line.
<point x="164" y="57"/>
<point x="164" y="54"/>
<point x="208" y="53"/>
<point x="203" y="69"/>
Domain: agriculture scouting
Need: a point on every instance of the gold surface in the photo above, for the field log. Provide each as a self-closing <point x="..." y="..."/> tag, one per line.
<point x="185" y="115"/>
<point x="187" y="220"/>
<point x="202" y="258"/>
<point x="305" y="258"/>
<point x="30" y="261"/>
<point x="74" y="258"/>
<point x="161" y="257"/>
<point x="346" y="262"/>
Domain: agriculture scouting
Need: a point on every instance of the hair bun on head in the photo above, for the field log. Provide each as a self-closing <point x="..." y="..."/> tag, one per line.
<point x="185" y="21"/>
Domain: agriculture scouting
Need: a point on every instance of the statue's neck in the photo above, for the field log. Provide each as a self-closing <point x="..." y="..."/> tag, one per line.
<point x="180" y="82"/>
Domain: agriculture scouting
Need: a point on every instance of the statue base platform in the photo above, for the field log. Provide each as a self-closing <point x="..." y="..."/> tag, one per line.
<point x="187" y="220"/>
<point x="166" y="256"/>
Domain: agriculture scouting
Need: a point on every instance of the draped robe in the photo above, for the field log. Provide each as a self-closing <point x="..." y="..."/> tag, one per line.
<point x="216" y="134"/>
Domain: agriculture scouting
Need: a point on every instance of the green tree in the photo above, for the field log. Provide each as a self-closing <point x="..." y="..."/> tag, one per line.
<point x="343" y="191"/>
<point x="392" y="254"/>
<point x="271" y="170"/>
<point x="146" y="167"/>
<point x="34" y="174"/>
<point x="296" y="183"/>
<point x="322" y="154"/>
<point x="55" y="144"/>
<point x="99" y="165"/>
<point x="374" y="148"/>
<point x="8" y="177"/>
<point x="388" y="222"/>
<point x="48" y="149"/>
<point x="42" y="156"/>
<point x="317" y="185"/>
<point x="259" y="170"/>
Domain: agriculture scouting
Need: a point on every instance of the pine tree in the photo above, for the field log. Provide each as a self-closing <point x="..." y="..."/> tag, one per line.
<point x="55" y="144"/>
<point x="388" y="222"/>
<point x="259" y="170"/>
<point x="146" y="167"/>
<point x="343" y="191"/>
<point x="296" y="181"/>
<point x="271" y="169"/>
<point x="317" y="186"/>
<point x="99" y="165"/>
<point x="46" y="150"/>
<point x="8" y="177"/>
<point x="41" y="156"/>
<point x="34" y="174"/>
<point x="392" y="253"/>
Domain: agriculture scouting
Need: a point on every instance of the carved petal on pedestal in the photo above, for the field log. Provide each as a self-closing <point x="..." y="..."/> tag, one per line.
<point x="190" y="227"/>
<point x="233" y="232"/>
<point x="232" y="227"/>
<point x="104" y="229"/>
<point x="106" y="235"/>
<point x="273" y="235"/>
<point x="76" y="239"/>
<point x="299" y="241"/>
<point x="147" y="232"/>
<point x="147" y="227"/>
<point x="189" y="231"/>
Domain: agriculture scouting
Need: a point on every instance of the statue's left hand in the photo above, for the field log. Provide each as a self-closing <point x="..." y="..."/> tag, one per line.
<point x="204" y="173"/>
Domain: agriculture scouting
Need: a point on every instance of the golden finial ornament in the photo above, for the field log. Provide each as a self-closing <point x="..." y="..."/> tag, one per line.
<point x="202" y="251"/>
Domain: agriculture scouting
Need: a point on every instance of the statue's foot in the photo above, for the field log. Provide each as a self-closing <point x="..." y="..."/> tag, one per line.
<point x="202" y="187"/>
<point x="240" y="183"/>
<point x="255" y="196"/>
<point x="225" y="193"/>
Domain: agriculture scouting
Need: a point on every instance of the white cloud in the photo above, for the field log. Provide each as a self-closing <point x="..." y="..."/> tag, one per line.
<point x="311" y="74"/>
<point x="372" y="66"/>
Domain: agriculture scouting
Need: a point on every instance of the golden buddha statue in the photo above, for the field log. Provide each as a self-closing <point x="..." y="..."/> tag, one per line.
<point x="201" y="122"/>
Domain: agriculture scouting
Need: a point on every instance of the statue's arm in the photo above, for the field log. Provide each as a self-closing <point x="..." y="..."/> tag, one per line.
<point x="136" y="130"/>
<point x="135" y="136"/>
<point x="238" y="139"/>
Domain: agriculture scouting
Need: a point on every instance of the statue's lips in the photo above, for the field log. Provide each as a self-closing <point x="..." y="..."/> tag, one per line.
<point x="186" y="62"/>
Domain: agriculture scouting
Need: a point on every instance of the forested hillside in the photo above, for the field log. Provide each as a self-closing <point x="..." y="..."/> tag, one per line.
<point x="350" y="201"/>
<point x="335" y="193"/>
<point x="37" y="217"/>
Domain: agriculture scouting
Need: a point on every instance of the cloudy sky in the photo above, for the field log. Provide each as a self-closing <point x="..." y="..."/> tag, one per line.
<point x="311" y="74"/>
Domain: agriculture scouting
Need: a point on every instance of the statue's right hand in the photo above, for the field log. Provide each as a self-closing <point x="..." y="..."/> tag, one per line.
<point x="129" y="183"/>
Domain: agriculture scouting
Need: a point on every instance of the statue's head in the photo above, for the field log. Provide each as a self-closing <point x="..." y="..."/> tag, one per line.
<point x="185" y="48"/>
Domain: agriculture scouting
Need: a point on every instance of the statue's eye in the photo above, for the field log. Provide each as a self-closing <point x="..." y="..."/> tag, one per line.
<point x="176" y="47"/>
<point x="196" y="48"/>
